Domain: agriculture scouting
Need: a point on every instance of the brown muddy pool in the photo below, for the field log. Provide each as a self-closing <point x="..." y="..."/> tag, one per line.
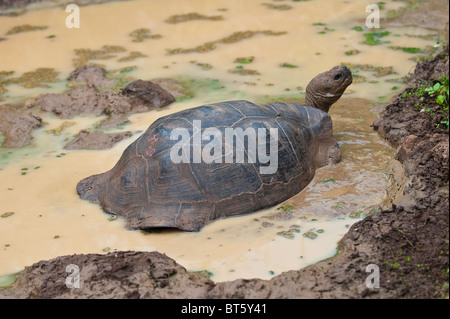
<point x="261" y="51"/>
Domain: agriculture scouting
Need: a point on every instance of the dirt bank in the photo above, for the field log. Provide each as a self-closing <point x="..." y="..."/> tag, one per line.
<point x="409" y="242"/>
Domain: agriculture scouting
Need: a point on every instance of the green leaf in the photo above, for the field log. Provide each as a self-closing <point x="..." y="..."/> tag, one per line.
<point x="288" y="65"/>
<point x="373" y="38"/>
<point x="437" y="86"/>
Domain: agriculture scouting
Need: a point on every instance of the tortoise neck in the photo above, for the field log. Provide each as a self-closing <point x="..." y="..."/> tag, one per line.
<point x="320" y="101"/>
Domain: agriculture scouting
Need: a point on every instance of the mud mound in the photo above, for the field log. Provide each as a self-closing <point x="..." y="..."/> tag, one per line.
<point x="91" y="95"/>
<point x="88" y="97"/>
<point x="17" y="125"/>
<point x="115" y="275"/>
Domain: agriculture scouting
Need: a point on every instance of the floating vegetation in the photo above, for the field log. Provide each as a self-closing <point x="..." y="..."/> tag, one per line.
<point x="288" y="65"/>
<point x="57" y="131"/>
<point x="352" y="52"/>
<point x="205" y="272"/>
<point x="424" y="36"/>
<point x="132" y="56"/>
<point x="357" y="78"/>
<point x="410" y="4"/>
<point x="244" y="60"/>
<point x="31" y="79"/>
<point x="85" y="55"/>
<point x="286" y="208"/>
<point x="2" y="39"/>
<point x="357" y="28"/>
<point x="281" y="7"/>
<point x="379" y="71"/>
<point x="121" y="73"/>
<point x="242" y="71"/>
<point x="289" y="234"/>
<point x="112" y="218"/>
<point x="61" y="154"/>
<point x="139" y="35"/>
<point x="203" y="66"/>
<point x="233" y="38"/>
<point x="324" y="30"/>
<point x="25" y="28"/>
<point x="7" y="214"/>
<point x="191" y="16"/>
<point x="310" y="235"/>
<point x="188" y="88"/>
<point x="355" y="214"/>
<point x="266" y="224"/>
<point x="328" y="180"/>
<point x="4" y="81"/>
<point x="373" y="38"/>
<point x="407" y="49"/>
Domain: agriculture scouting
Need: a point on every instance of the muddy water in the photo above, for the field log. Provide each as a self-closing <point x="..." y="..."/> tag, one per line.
<point x="43" y="217"/>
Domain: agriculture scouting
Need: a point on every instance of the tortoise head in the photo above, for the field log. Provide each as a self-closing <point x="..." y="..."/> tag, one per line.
<point x="327" y="87"/>
<point x="88" y="189"/>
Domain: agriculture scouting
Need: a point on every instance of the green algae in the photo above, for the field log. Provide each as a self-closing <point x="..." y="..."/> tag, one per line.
<point x="288" y="65"/>
<point x="244" y="60"/>
<point x="192" y="87"/>
<point x="139" y="35"/>
<point x="25" y="28"/>
<point x="7" y="214"/>
<point x="179" y="18"/>
<point x="203" y="66"/>
<point x="289" y="234"/>
<point x="37" y="78"/>
<point x="106" y="52"/>
<point x="411" y="50"/>
<point x="310" y="235"/>
<point x="133" y="55"/>
<point x="6" y="281"/>
<point x="410" y="4"/>
<point x="352" y="52"/>
<point x="374" y="38"/>
<point x="281" y="7"/>
<point x="378" y="71"/>
<point x="233" y="38"/>
<point x="242" y="71"/>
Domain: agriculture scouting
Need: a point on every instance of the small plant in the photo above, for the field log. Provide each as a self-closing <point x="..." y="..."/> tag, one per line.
<point x="286" y="208"/>
<point x="439" y="93"/>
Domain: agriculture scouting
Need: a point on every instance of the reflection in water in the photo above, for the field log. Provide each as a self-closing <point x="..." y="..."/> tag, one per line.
<point x="225" y="50"/>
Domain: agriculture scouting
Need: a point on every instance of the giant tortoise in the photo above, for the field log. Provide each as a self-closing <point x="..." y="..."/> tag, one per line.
<point x="223" y="159"/>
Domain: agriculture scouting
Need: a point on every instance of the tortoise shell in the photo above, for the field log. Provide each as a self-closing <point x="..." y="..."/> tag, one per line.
<point x="151" y="189"/>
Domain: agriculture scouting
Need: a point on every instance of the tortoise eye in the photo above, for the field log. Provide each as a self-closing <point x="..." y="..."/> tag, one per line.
<point x="337" y="76"/>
